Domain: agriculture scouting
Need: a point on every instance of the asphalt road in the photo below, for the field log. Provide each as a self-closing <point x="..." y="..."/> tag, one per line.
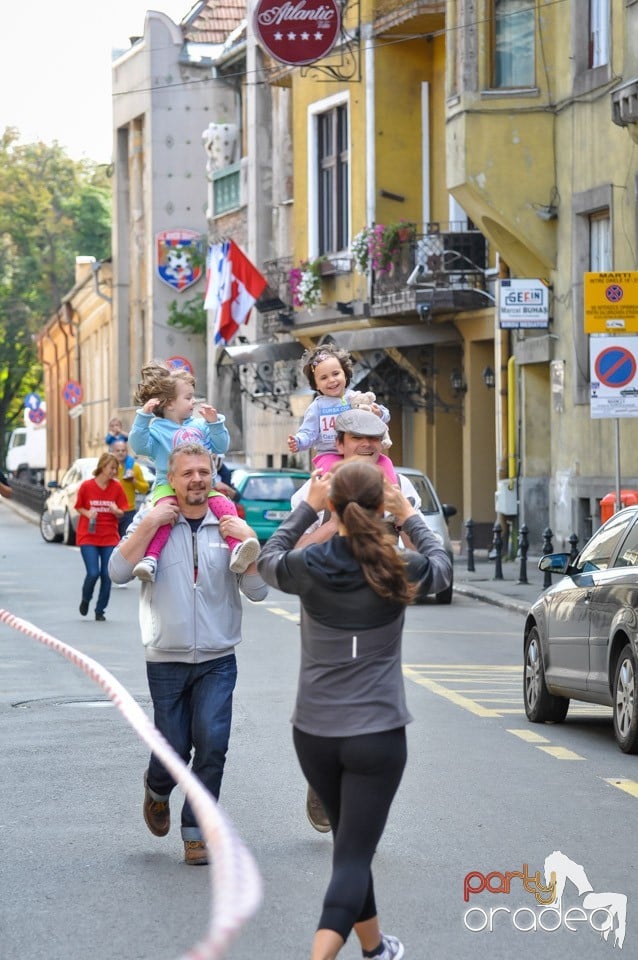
<point x="80" y="875"/>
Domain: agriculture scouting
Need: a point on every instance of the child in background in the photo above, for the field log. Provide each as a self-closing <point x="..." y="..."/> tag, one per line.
<point x="166" y="421"/>
<point x="328" y="369"/>
<point x="115" y="433"/>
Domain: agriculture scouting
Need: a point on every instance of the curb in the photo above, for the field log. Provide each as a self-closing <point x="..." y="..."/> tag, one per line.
<point x="22" y="511"/>
<point x="509" y="603"/>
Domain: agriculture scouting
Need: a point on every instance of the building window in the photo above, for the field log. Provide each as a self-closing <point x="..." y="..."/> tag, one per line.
<point x="592" y="251"/>
<point x="333" y="199"/>
<point x="600" y="242"/>
<point x="514" y="28"/>
<point x="598" y="33"/>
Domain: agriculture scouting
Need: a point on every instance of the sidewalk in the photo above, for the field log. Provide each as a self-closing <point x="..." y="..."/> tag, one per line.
<point x="507" y="592"/>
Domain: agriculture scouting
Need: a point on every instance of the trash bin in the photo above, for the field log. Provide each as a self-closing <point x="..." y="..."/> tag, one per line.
<point x="608" y="503"/>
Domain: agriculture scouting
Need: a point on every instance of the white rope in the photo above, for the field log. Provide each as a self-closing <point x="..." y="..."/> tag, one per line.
<point x="235" y="881"/>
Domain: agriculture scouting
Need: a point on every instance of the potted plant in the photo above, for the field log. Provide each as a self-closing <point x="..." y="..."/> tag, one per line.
<point x="377" y="247"/>
<point x="305" y="283"/>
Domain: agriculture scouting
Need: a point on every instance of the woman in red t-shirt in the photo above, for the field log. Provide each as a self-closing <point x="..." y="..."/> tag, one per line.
<point x="100" y="503"/>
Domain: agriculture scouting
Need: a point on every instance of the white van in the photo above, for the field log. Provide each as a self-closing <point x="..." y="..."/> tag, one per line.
<point x="27" y="452"/>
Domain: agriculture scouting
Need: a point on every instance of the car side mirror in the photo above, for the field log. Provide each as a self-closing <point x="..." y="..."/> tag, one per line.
<point x="555" y="563"/>
<point x="448" y="510"/>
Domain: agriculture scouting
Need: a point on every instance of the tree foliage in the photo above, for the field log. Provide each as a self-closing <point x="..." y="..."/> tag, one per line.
<point x="52" y="209"/>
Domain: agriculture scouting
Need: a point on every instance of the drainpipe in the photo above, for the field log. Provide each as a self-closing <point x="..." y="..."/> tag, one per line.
<point x="511" y="422"/>
<point x="371" y="171"/>
<point x="95" y="267"/>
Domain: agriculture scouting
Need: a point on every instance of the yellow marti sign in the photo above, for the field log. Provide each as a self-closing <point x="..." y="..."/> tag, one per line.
<point x="611" y="302"/>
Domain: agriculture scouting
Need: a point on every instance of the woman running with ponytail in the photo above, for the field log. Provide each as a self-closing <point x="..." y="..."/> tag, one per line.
<point x="350" y="714"/>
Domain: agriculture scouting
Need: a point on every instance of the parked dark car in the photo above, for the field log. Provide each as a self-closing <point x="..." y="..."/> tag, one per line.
<point x="436" y="516"/>
<point x="581" y="635"/>
<point x="264" y="496"/>
<point x="59" y="518"/>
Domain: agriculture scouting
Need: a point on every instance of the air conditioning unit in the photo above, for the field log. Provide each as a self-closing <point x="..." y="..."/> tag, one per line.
<point x="624" y="103"/>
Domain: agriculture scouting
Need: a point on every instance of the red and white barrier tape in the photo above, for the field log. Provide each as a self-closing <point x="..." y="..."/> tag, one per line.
<point x="235" y="881"/>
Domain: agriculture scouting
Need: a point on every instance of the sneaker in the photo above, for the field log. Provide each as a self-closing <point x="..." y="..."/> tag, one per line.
<point x="244" y="554"/>
<point x="146" y="569"/>
<point x="195" y="853"/>
<point x="392" y="948"/>
<point x="84" y="607"/>
<point x="315" y="812"/>
<point x="157" y="814"/>
<point x="100" y="616"/>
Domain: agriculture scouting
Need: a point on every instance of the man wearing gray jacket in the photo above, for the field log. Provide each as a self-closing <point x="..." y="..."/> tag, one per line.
<point x="191" y="621"/>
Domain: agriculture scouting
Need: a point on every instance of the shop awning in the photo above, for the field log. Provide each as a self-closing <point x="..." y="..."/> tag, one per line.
<point x="260" y="353"/>
<point x="407" y="335"/>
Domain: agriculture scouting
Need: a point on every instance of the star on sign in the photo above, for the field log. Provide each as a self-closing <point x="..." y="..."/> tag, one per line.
<point x="279" y="36"/>
<point x="305" y="36"/>
<point x="318" y="36"/>
<point x="292" y="36"/>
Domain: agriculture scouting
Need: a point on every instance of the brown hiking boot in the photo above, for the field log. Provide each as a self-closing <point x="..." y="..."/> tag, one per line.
<point x="195" y="853"/>
<point x="315" y="812"/>
<point x="157" y="814"/>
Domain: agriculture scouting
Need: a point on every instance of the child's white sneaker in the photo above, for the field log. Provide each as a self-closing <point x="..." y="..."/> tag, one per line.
<point x="244" y="554"/>
<point x="146" y="569"/>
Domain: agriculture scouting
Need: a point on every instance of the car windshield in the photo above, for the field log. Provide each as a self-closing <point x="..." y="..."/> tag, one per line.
<point x="271" y="488"/>
<point x="598" y="552"/>
<point x="428" y="503"/>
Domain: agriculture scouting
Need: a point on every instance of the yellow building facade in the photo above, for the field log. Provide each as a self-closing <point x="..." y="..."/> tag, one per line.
<point x="541" y="129"/>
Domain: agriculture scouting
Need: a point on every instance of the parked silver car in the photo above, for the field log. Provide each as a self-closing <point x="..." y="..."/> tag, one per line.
<point x="581" y="636"/>
<point x="59" y="518"/>
<point x="436" y="516"/>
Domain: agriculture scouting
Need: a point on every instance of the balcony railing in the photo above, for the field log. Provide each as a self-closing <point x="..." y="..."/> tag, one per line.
<point x="447" y="263"/>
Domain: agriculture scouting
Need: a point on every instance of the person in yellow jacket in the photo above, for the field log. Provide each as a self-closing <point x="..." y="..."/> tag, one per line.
<point x="132" y="481"/>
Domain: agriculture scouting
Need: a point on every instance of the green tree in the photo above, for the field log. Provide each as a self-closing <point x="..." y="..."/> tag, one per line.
<point x="52" y="209"/>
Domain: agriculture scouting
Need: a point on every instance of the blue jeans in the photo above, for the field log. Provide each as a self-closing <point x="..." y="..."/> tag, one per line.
<point x="96" y="561"/>
<point x="193" y="708"/>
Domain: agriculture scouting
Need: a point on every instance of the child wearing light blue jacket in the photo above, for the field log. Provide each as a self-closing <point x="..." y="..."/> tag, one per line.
<point x="164" y="421"/>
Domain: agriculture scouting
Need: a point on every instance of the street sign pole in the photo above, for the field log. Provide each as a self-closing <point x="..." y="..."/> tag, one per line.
<point x="618" y="502"/>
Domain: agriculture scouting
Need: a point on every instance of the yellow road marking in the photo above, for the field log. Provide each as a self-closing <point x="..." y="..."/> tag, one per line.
<point x="561" y="753"/>
<point x="450" y="695"/>
<point x="530" y="736"/>
<point x="629" y="786"/>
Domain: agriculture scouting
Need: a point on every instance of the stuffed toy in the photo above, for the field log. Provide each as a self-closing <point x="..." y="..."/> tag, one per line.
<point x="360" y="400"/>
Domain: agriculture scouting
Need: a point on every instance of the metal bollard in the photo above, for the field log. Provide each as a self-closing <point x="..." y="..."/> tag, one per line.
<point x="469" y="539"/>
<point x="547" y="548"/>
<point x="497" y="551"/>
<point x="573" y="553"/>
<point x="523" y="547"/>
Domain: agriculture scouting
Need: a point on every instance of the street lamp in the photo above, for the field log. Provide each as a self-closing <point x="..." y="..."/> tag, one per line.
<point x="489" y="378"/>
<point x="457" y="381"/>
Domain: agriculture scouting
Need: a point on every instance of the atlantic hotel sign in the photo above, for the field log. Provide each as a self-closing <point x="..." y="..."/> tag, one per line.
<point x="297" y="33"/>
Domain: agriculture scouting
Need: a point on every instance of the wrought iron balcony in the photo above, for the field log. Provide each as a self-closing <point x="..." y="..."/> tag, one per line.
<point x="443" y="268"/>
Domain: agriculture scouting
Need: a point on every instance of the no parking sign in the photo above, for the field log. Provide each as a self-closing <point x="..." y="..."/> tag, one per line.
<point x="614" y="376"/>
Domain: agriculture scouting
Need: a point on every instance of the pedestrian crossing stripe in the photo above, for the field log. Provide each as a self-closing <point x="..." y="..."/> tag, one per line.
<point x="286" y="614"/>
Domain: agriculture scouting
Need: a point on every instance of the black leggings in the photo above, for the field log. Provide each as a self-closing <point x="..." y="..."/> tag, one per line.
<point x="356" y="779"/>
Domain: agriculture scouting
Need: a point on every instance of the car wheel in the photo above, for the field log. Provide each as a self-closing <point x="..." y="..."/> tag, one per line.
<point x="445" y="596"/>
<point x="69" y="533"/>
<point x="626" y="701"/>
<point x="46" y="529"/>
<point x="540" y="705"/>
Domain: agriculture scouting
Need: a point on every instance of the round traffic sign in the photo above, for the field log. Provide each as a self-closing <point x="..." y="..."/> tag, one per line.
<point x="37" y="416"/>
<point x="72" y="393"/>
<point x="32" y="401"/>
<point x="615" y="366"/>
<point x="614" y="293"/>
<point x="180" y="363"/>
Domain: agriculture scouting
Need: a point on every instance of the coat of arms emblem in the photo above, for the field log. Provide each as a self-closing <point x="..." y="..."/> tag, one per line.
<point x="180" y="258"/>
